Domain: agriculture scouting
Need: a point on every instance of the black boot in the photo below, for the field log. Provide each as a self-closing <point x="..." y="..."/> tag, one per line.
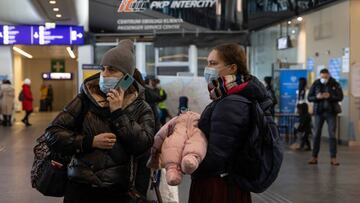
<point x="6" y="120"/>
<point x="9" y="120"/>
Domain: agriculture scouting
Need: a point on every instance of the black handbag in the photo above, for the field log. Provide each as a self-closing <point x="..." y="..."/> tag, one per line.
<point x="52" y="182"/>
<point x="337" y="108"/>
<point x="46" y="178"/>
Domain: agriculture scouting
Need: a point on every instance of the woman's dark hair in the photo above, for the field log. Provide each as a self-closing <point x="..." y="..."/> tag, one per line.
<point x="302" y="83"/>
<point x="268" y="80"/>
<point x="303" y="109"/>
<point x="234" y="54"/>
<point x="138" y="77"/>
<point x="6" y="82"/>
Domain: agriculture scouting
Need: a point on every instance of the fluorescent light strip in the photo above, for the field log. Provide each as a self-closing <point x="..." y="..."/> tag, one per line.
<point x="22" y="52"/>
<point x="71" y="53"/>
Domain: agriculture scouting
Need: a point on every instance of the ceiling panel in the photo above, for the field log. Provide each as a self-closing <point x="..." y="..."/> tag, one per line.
<point x="19" y="12"/>
<point x="37" y="12"/>
<point x="45" y="52"/>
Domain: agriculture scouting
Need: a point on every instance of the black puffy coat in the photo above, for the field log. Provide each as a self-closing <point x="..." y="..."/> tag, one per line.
<point x="330" y="105"/>
<point x="226" y="124"/>
<point x="73" y="130"/>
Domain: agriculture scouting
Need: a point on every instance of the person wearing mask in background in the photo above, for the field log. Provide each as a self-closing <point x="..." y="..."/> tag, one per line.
<point x="49" y="98"/>
<point x="7" y="95"/>
<point x="43" y="96"/>
<point x="326" y="94"/>
<point x="27" y="101"/>
<point x="270" y="89"/>
<point x="153" y="97"/>
<point x="106" y="131"/>
<point x="226" y="123"/>
<point x="164" y="112"/>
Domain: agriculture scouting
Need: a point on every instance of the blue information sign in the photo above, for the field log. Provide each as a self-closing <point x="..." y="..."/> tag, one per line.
<point x="335" y="68"/>
<point x="40" y="35"/>
<point x="310" y="64"/>
<point x="289" y="84"/>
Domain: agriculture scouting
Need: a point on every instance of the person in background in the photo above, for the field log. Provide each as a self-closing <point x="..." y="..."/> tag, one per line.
<point x="270" y="89"/>
<point x="183" y="104"/>
<point x="7" y="95"/>
<point x="43" y="96"/>
<point x="305" y="126"/>
<point x="163" y="111"/>
<point x="27" y="101"/>
<point x="49" y="98"/>
<point x="326" y="94"/>
<point x="153" y="97"/>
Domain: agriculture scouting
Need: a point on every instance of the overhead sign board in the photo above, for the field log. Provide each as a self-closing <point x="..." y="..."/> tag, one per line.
<point x="142" y="16"/>
<point x="40" y="35"/>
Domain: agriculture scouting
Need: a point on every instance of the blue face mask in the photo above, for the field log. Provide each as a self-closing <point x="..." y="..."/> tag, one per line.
<point x="210" y="74"/>
<point x="107" y="83"/>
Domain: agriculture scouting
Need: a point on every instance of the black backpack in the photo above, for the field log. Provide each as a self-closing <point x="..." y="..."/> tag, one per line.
<point x="256" y="166"/>
<point x="21" y="96"/>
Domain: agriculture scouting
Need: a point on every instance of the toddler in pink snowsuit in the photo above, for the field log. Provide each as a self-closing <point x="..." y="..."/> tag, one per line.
<point x="179" y="147"/>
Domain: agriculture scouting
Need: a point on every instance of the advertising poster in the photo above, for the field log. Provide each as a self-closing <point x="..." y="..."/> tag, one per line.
<point x="310" y="64"/>
<point x="335" y="68"/>
<point x="289" y="83"/>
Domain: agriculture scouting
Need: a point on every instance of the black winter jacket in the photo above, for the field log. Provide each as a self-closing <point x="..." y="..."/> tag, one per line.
<point x="73" y="130"/>
<point x="226" y="124"/>
<point x="330" y="105"/>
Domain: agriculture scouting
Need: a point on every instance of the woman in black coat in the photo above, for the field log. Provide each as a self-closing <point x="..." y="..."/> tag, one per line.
<point x="226" y="123"/>
<point x="108" y="133"/>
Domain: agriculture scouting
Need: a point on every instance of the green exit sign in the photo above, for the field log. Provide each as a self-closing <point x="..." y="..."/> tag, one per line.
<point x="58" y="65"/>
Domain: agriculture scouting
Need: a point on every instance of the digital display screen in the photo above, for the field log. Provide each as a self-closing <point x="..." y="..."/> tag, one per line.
<point x="57" y="76"/>
<point x="283" y="43"/>
<point x="40" y="35"/>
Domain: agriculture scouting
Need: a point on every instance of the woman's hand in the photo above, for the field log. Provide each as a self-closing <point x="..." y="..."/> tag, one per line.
<point x="115" y="99"/>
<point x="104" y="141"/>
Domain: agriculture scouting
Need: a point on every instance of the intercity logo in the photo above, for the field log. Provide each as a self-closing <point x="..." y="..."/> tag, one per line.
<point x="141" y="5"/>
<point x="133" y="5"/>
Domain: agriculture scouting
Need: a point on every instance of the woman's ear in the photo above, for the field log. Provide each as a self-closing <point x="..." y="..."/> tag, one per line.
<point x="233" y="69"/>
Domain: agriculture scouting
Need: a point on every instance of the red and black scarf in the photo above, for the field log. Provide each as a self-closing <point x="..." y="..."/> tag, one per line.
<point x="226" y="85"/>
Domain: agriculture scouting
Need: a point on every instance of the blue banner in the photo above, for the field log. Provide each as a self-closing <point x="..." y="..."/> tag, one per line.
<point x="40" y="35"/>
<point x="289" y="84"/>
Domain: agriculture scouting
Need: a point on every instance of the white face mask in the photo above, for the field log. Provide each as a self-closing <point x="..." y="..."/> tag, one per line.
<point x="107" y="83"/>
<point x="323" y="80"/>
<point x="210" y="74"/>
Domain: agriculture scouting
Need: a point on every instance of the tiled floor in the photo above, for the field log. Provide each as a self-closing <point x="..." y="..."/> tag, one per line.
<point x="298" y="182"/>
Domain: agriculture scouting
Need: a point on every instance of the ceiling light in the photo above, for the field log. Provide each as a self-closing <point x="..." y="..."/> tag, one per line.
<point x="289" y="22"/>
<point x="58" y="15"/>
<point x="300" y="19"/>
<point x="56" y="9"/>
<point x="22" y="52"/>
<point x="50" y="25"/>
<point x="293" y="31"/>
<point x="52" y="2"/>
<point x="71" y="53"/>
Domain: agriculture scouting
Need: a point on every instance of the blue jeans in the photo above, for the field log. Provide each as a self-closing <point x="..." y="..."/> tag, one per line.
<point x="330" y="119"/>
